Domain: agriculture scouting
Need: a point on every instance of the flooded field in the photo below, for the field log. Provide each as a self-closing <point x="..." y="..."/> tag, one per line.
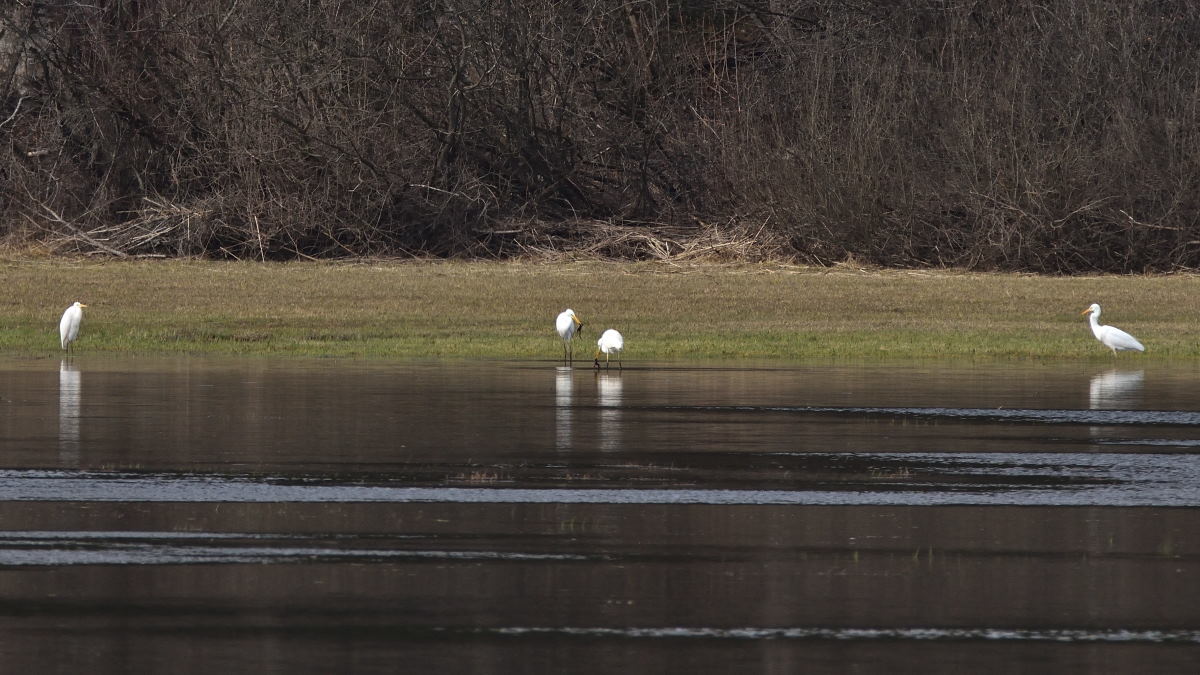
<point x="282" y="516"/>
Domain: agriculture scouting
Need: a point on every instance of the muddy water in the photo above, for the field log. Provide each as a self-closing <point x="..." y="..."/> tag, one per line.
<point x="189" y="515"/>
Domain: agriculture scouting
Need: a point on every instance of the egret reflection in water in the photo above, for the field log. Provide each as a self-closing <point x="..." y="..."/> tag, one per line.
<point x="608" y="393"/>
<point x="1115" y="389"/>
<point x="69" y="391"/>
<point x="562" y="407"/>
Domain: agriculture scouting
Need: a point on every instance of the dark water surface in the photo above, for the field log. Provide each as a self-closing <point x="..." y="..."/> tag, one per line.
<point x="281" y="516"/>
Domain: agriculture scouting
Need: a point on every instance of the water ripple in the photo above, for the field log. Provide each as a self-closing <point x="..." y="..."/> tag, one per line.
<point x="1081" y="635"/>
<point x="175" y="548"/>
<point x="1045" y="479"/>
<point x="1003" y="415"/>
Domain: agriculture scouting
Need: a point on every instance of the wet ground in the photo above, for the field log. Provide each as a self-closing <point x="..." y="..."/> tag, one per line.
<point x="280" y="516"/>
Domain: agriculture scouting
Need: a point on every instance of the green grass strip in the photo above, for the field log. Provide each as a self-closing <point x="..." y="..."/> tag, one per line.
<point x="472" y="310"/>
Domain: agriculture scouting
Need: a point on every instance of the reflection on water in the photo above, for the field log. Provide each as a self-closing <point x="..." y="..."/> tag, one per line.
<point x="69" y="389"/>
<point x="314" y="516"/>
<point x="1115" y="389"/>
<point x="1115" y="392"/>
<point x="608" y="393"/>
<point x="563" y="383"/>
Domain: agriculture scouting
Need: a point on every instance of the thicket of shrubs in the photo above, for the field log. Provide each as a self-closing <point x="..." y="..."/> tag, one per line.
<point x="1053" y="137"/>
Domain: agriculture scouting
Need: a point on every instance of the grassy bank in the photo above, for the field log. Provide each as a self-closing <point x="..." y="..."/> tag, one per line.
<point x="506" y="310"/>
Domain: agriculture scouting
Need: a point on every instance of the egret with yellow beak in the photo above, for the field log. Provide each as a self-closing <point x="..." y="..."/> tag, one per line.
<point x="567" y="324"/>
<point x="1110" y="336"/>
<point x="610" y="343"/>
<point x="68" y="326"/>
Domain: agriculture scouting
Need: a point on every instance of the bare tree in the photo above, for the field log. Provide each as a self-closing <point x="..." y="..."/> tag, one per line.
<point x="984" y="134"/>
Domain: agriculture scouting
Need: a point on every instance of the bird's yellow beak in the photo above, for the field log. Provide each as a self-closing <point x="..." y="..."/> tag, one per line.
<point x="82" y="305"/>
<point x="1086" y="311"/>
<point x="576" y="320"/>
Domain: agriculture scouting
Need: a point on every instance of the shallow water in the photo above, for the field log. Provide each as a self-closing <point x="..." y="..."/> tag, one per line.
<point x="319" y="515"/>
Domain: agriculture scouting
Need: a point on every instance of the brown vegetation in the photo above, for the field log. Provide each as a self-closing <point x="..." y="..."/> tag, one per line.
<point x="979" y="133"/>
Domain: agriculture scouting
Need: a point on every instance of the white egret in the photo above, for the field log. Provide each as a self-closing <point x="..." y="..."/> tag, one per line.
<point x="1110" y="336"/>
<point x="610" y="343"/>
<point x="68" y="326"/>
<point x="567" y="324"/>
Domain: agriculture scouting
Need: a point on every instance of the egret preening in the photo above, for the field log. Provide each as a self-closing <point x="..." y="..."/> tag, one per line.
<point x="68" y="326"/>
<point x="567" y="324"/>
<point x="610" y="343"/>
<point x="1110" y="336"/>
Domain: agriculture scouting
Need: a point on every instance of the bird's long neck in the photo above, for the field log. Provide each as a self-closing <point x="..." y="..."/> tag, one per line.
<point x="1095" y="321"/>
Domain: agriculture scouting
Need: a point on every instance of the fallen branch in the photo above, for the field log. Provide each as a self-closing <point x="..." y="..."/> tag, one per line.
<point x="56" y="217"/>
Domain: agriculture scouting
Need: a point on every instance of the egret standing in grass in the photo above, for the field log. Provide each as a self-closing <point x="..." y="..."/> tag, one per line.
<point x="610" y="343"/>
<point x="68" y="326"/>
<point x="1110" y="336"/>
<point x="567" y="324"/>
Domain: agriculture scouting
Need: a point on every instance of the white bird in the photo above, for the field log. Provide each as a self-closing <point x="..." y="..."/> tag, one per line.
<point x="1110" y="336"/>
<point x="567" y="324"/>
<point x="610" y="343"/>
<point x="68" y="326"/>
